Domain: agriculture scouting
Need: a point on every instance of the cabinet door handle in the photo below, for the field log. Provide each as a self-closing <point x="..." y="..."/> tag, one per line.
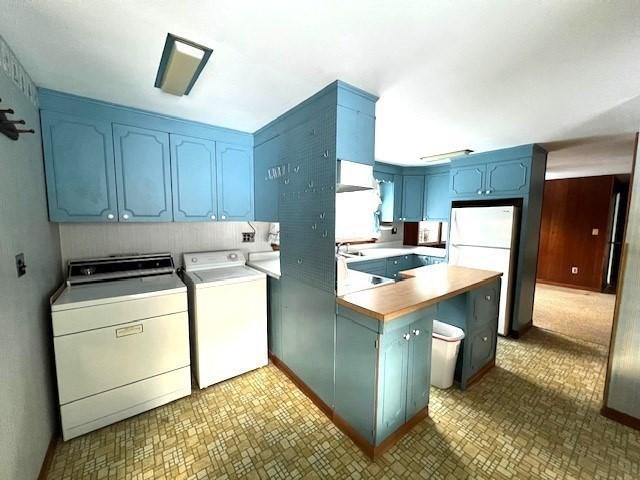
<point x="487" y="192"/>
<point x="395" y="262"/>
<point x="223" y="217"/>
<point x="110" y="216"/>
<point x="407" y="336"/>
<point x="484" y="339"/>
<point x="126" y="331"/>
<point x="213" y="217"/>
<point x="488" y="298"/>
<point x="416" y="332"/>
<point x="125" y="216"/>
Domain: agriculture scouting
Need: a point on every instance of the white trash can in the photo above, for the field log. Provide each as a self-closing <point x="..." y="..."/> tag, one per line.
<point x="444" y="353"/>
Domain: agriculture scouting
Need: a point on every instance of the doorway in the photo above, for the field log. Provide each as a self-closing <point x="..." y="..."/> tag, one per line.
<point x="583" y="221"/>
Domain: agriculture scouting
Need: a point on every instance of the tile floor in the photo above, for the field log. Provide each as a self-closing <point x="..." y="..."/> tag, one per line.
<point x="533" y="416"/>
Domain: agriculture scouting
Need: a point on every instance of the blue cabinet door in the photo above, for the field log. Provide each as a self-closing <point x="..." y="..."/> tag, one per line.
<point x="397" y="198"/>
<point x="355" y="134"/>
<point x="419" y="364"/>
<point x="392" y="382"/>
<point x="79" y="168"/>
<point x="274" y="310"/>
<point x="508" y="178"/>
<point x="193" y="175"/>
<point x="437" y="201"/>
<point x="467" y="181"/>
<point x="235" y="182"/>
<point x="412" y="197"/>
<point x="143" y="174"/>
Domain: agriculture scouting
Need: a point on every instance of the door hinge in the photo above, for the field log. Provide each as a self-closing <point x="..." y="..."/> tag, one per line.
<point x="376" y="344"/>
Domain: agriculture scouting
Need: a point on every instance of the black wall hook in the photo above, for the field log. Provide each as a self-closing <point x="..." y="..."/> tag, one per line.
<point x="8" y="127"/>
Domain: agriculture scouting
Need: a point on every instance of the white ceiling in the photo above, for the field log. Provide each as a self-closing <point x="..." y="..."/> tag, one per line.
<point x="450" y="75"/>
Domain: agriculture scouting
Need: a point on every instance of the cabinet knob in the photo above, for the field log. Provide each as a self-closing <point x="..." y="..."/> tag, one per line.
<point x="395" y="262"/>
<point x="416" y="332"/>
<point x="484" y="339"/>
<point x="223" y="217"/>
<point x="407" y="336"/>
<point x="487" y="192"/>
<point x="488" y="298"/>
<point x="213" y="217"/>
<point x="110" y="216"/>
<point x="125" y="216"/>
<point x="479" y="192"/>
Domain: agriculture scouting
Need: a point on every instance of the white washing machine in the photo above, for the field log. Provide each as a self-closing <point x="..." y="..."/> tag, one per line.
<point x="227" y="313"/>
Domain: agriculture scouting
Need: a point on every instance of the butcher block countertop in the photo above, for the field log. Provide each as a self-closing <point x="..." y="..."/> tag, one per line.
<point x="424" y="286"/>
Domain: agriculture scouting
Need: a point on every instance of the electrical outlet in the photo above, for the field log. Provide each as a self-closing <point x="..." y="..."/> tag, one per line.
<point x="248" y="237"/>
<point x="574" y="270"/>
<point x="394" y="230"/>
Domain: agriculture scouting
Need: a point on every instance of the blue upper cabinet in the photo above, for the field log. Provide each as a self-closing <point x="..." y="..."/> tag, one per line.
<point x="80" y="174"/>
<point x="412" y="198"/>
<point x="437" y="202"/>
<point x="235" y="182"/>
<point x="193" y="174"/>
<point x="499" y="173"/>
<point x="467" y="181"/>
<point x="143" y="174"/>
<point x="508" y="178"/>
<point x="355" y="136"/>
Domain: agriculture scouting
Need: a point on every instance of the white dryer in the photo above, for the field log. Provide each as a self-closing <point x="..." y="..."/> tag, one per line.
<point x="227" y="313"/>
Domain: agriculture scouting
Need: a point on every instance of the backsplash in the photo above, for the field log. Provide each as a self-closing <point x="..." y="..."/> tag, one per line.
<point x="97" y="239"/>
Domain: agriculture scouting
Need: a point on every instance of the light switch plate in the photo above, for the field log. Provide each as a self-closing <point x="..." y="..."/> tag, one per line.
<point x="574" y="270"/>
<point x="595" y="232"/>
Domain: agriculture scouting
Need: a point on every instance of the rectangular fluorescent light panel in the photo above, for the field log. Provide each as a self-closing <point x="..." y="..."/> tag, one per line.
<point x="180" y="65"/>
<point x="445" y="157"/>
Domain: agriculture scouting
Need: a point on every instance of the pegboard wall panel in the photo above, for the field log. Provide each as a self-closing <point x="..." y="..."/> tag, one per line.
<point x="306" y="202"/>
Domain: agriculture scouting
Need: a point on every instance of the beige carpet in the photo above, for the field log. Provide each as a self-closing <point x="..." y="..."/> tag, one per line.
<point x="576" y="313"/>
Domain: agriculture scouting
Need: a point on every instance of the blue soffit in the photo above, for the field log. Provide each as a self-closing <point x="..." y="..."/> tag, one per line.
<point x="166" y="53"/>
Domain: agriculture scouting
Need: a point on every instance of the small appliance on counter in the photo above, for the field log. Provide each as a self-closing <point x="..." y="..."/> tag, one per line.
<point x="121" y="340"/>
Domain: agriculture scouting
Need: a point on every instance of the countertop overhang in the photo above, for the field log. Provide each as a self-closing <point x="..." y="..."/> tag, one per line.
<point x="423" y="287"/>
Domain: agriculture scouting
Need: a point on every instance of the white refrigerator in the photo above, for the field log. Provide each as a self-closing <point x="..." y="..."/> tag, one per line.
<point x="486" y="238"/>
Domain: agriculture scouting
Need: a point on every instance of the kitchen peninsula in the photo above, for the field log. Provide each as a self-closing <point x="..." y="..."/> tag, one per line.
<point x="383" y="347"/>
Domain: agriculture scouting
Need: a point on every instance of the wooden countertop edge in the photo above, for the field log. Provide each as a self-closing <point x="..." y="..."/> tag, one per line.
<point x="385" y="317"/>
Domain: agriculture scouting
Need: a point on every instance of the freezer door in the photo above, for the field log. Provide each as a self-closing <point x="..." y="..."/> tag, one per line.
<point x="495" y="259"/>
<point x="483" y="226"/>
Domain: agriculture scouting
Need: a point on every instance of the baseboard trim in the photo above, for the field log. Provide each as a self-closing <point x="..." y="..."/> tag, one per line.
<point x="371" y="451"/>
<point x="48" y="458"/>
<point x="620" y="417"/>
<point x="480" y="373"/>
<point x="318" y="402"/>
<point x="569" y="285"/>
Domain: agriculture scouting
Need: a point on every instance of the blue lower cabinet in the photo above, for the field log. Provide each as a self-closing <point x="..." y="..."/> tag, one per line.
<point x="437" y="201"/>
<point x="374" y="267"/>
<point x="143" y="174"/>
<point x="419" y="374"/>
<point x="79" y="168"/>
<point x="412" y="198"/>
<point x="392" y="388"/>
<point x="235" y="182"/>
<point x="382" y="372"/>
<point x="193" y="168"/>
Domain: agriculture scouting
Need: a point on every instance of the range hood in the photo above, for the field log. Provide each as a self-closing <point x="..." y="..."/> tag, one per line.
<point x="353" y="177"/>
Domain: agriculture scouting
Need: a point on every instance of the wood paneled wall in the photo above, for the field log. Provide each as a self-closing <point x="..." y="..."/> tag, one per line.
<point x="572" y="209"/>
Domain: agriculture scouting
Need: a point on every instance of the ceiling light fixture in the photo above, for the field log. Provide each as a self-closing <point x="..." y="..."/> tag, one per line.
<point x="180" y="65"/>
<point x="445" y="157"/>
